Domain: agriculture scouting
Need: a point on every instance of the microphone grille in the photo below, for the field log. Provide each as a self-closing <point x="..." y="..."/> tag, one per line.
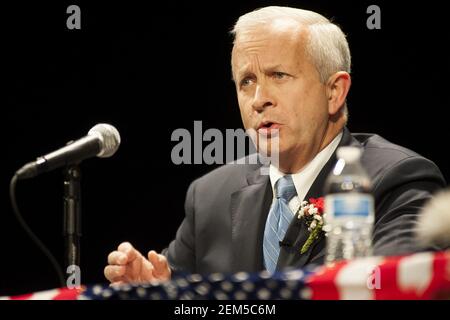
<point x="109" y="137"/>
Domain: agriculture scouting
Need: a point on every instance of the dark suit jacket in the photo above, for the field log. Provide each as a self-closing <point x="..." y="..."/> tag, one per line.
<point x="226" y="211"/>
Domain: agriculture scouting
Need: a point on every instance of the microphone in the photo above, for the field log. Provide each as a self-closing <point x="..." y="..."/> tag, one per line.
<point x="102" y="141"/>
<point x="434" y="221"/>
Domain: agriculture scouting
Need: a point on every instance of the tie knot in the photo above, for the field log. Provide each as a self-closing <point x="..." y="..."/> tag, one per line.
<point x="285" y="188"/>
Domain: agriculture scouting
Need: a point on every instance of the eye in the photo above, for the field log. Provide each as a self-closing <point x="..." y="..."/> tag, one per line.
<point x="246" y="81"/>
<point x="279" y="75"/>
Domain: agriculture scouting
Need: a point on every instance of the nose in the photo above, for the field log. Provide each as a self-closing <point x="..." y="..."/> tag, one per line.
<point x="262" y="98"/>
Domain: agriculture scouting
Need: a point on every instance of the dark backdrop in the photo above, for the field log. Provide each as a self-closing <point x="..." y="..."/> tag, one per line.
<point x="151" y="69"/>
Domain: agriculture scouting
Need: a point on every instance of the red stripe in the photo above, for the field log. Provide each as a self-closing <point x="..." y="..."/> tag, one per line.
<point x="22" y="297"/>
<point x="389" y="289"/>
<point x="440" y="283"/>
<point x="322" y="283"/>
<point x="67" y="294"/>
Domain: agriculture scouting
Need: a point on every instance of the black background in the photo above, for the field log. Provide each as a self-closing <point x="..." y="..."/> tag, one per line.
<point x="149" y="69"/>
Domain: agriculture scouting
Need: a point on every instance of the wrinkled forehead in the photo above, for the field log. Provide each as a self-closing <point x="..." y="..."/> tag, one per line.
<point x="280" y="38"/>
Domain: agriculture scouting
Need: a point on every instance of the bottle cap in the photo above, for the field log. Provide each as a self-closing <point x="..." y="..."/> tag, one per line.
<point x="349" y="154"/>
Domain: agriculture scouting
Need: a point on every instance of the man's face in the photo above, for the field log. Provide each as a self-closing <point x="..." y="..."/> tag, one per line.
<point x="278" y="87"/>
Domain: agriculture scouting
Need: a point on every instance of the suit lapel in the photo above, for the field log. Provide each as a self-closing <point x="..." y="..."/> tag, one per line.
<point x="249" y="209"/>
<point x="298" y="233"/>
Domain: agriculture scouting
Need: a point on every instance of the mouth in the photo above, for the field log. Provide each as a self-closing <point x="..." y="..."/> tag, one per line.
<point x="268" y="127"/>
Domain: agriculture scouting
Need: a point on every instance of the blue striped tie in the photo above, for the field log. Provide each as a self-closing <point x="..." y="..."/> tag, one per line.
<point x="278" y="221"/>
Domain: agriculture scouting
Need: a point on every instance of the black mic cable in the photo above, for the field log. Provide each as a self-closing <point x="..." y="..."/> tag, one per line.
<point x="34" y="238"/>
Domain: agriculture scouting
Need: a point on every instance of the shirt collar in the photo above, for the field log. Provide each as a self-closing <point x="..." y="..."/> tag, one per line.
<point x="304" y="179"/>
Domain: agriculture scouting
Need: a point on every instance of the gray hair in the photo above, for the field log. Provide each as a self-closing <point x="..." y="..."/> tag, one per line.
<point x="327" y="46"/>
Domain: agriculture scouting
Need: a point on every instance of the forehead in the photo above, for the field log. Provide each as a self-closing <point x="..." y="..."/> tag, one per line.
<point x="281" y="44"/>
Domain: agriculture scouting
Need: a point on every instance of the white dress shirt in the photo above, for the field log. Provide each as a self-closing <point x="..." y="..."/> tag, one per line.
<point x="304" y="179"/>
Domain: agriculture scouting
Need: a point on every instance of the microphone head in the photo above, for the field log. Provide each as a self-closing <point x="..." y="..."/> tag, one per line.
<point x="434" y="221"/>
<point x="109" y="137"/>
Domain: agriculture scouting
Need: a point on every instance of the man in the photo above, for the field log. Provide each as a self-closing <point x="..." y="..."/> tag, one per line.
<point x="292" y="73"/>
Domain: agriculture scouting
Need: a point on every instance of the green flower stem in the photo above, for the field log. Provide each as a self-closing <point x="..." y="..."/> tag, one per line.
<point x="312" y="236"/>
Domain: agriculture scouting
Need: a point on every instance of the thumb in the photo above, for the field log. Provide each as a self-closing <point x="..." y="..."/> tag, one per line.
<point x="161" y="266"/>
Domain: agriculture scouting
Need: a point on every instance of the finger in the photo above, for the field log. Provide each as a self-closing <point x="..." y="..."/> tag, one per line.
<point x="117" y="258"/>
<point x="117" y="282"/>
<point x="160" y="264"/>
<point x="129" y="250"/>
<point x="114" y="272"/>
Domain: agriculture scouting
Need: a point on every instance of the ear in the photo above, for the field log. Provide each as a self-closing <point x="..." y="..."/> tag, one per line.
<point x="338" y="86"/>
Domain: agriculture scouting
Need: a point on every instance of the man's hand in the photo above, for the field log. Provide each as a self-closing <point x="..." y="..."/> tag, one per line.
<point x="128" y="265"/>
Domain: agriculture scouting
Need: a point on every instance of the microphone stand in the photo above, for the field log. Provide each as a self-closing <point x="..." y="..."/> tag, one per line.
<point x="72" y="217"/>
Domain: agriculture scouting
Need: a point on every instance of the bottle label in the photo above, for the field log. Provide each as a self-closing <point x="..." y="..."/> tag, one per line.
<point x="349" y="204"/>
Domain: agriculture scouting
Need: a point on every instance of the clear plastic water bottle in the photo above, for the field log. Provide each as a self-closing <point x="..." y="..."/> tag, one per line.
<point x="349" y="208"/>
